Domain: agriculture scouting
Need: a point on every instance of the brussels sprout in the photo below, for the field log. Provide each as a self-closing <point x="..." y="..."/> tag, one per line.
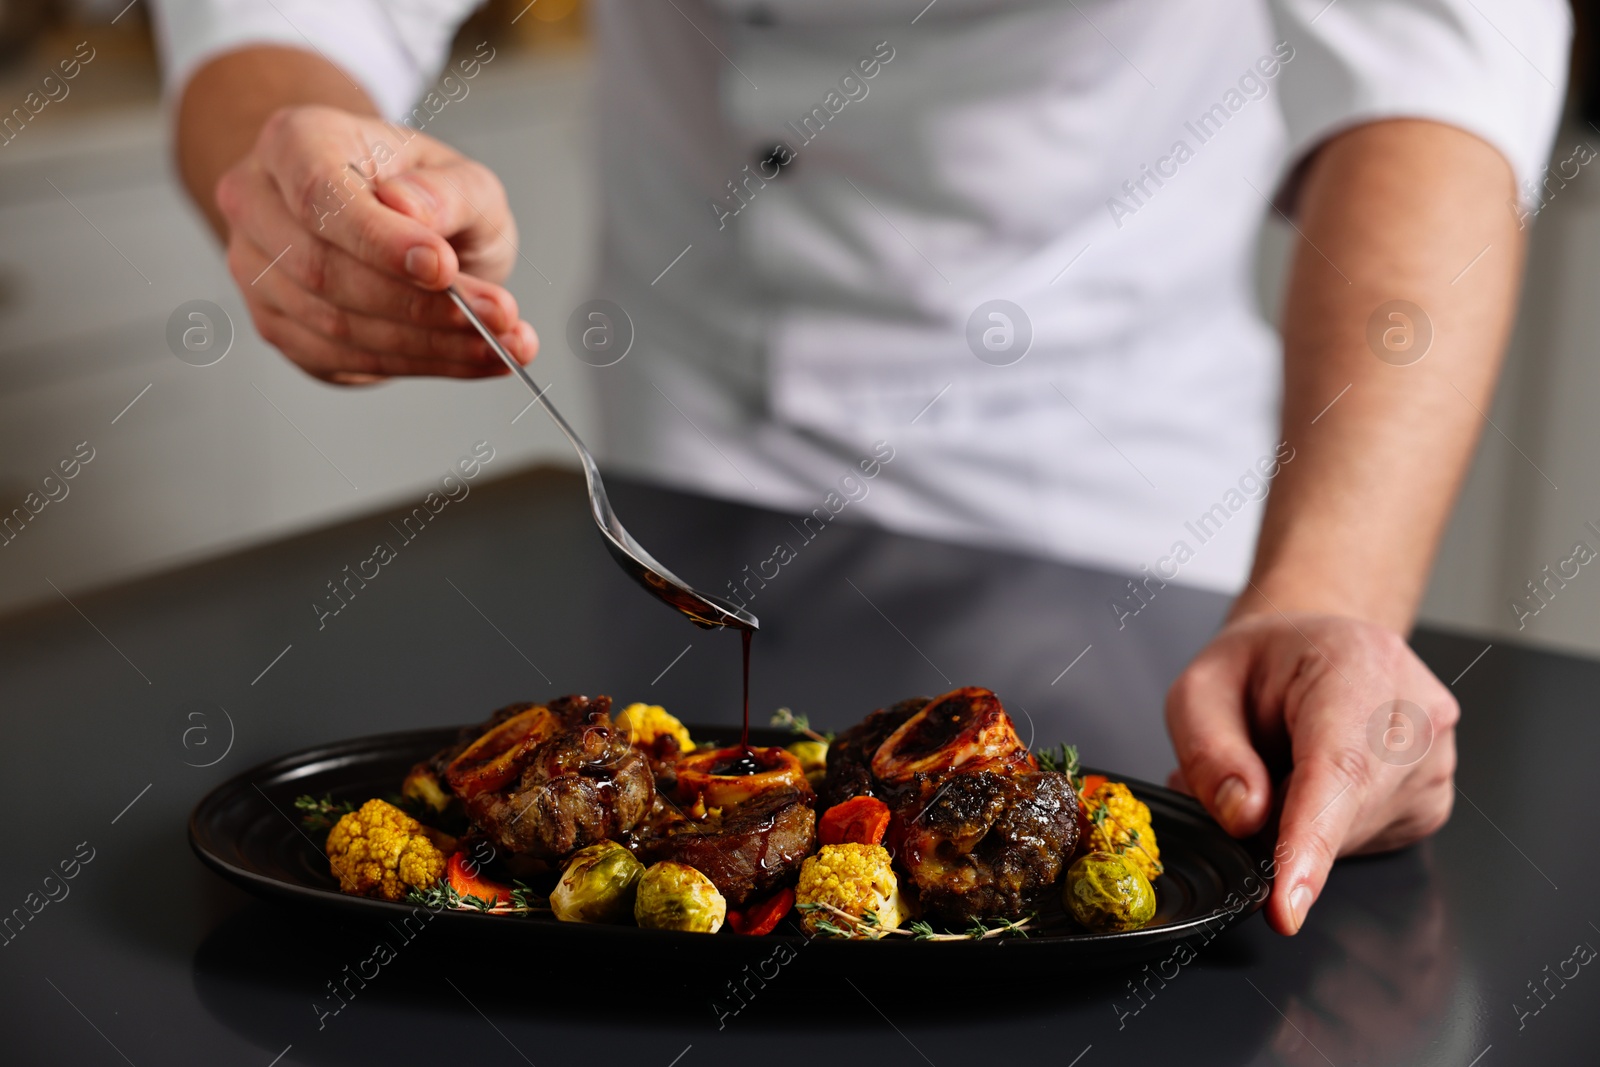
<point x="1107" y="893"/>
<point x="813" y="757"/>
<point x="675" y="896"/>
<point x="598" y="885"/>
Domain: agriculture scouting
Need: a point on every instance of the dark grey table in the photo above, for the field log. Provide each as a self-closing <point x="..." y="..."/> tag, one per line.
<point x="121" y="712"/>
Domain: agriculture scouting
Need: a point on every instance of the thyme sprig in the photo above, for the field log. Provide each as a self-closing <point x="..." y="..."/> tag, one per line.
<point x="799" y="724"/>
<point x="526" y="898"/>
<point x="980" y="930"/>
<point x="318" y="814"/>
<point x="443" y="896"/>
<point x="1063" y="759"/>
<point x="840" y="923"/>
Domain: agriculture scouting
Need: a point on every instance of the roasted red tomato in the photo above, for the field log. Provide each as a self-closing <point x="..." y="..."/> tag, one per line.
<point x="762" y="916"/>
<point x="857" y="821"/>
<point x="466" y="878"/>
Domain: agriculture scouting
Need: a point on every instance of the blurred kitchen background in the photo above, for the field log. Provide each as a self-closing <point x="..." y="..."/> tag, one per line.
<point x="98" y="245"/>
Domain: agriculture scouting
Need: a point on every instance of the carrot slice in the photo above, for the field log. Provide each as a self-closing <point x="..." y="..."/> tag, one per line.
<point x="1091" y="782"/>
<point x="464" y="878"/>
<point x="859" y="820"/>
<point x="763" y="916"/>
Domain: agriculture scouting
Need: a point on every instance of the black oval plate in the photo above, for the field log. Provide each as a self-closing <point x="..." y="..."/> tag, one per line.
<point x="247" y="830"/>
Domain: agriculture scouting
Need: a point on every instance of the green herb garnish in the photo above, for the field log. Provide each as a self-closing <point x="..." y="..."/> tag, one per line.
<point x="319" y="815"/>
<point x="799" y="724"/>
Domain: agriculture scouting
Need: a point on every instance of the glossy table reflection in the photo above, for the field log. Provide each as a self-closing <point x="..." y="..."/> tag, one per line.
<point x="122" y="711"/>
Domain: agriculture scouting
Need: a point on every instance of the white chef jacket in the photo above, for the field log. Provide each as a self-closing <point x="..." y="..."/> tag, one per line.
<point x="1102" y="166"/>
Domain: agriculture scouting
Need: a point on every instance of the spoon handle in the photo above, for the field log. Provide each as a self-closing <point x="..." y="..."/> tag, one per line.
<point x="522" y="372"/>
<point x="628" y="552"/>
<point x="598" y="503"/>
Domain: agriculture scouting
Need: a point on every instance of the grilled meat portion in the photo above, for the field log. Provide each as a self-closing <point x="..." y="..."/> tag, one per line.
<point x="978" y="828"/>
<point x="429" y="775"/>
<point x="963" y="731"/>
<point x="985" y="844"/>
<point x="850" y="754"/>
<point x="564" y="778"/>
<point x="495" y="758"/>
<point x="469" y="734"/>
<point x="726" y="777"/>
<point x="748" y="848"/>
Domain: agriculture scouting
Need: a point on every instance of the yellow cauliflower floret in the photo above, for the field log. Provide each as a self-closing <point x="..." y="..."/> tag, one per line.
<point x="646" y="723"/>
<point x="1119" y="822"/>
<point x="380" y="851"/>
<point x="856" y="879"/>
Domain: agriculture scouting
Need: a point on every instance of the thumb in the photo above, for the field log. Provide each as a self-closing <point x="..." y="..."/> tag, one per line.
<point x="1210" y="732"/>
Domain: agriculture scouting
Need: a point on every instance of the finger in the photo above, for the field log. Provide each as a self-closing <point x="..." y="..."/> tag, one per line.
<point x="279" y="293"/>
<point x="373" y="334"/>
<point x="1324" y="797"/>
<point x="1211" y="735"/>
<point x="256" y="211"/>
<point x="482" y="296"/>
<point x="521" y="340"/>
<point x="466" y="203"/>
<point x="316" y="167"/>
<point x="335" y="362"/>
<point x="529" y="343"/>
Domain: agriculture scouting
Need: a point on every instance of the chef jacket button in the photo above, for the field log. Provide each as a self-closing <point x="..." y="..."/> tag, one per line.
<point x="773" y="162"/>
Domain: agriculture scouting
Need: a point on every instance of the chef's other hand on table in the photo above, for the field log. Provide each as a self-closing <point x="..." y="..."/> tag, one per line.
<point x="1308" y="702"/>
<point x="1316" y="693"/>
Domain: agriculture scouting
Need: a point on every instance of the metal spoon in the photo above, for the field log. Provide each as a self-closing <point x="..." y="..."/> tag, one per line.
<point x="703" y="609"/>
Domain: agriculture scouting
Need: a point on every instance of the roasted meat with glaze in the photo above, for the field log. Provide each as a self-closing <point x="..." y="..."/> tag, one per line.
<point x="545" y="781"/>
<point x="468" y="734"/>
<point x="850" y="754"/>
<point x="725" y="777"/>
<point x="748" y="848"/>
<point x="986" y="843"/>
<point x="962" y="732"/>
<point x="979" y="829"/>
<point x="426" y="781"/>
<point x="741" y="817"/>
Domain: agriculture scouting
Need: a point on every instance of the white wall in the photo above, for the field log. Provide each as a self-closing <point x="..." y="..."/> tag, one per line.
<point x="1512" y="523"/>
<point x="203" y="463"/>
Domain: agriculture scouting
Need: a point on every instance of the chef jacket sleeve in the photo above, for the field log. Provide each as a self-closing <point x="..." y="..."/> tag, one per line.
<point x="389" y="48"/>
<point x="1495" y="68"/>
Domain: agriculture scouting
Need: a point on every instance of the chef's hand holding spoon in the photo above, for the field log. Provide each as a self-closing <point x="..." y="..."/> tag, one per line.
<point x="341" y="236"/>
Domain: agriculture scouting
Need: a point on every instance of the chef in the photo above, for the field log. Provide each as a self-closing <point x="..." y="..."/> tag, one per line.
<point x="1012" y="239"/>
